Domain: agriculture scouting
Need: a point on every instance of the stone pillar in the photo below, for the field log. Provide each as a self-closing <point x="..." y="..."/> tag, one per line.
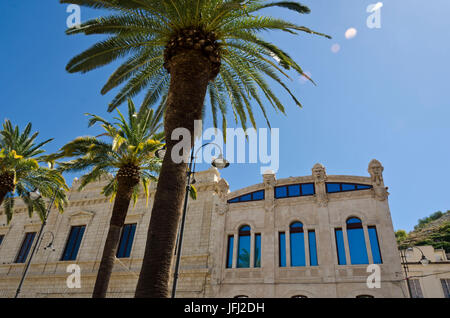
<point x="324" y="231"/>
<point x="268" y="239"/>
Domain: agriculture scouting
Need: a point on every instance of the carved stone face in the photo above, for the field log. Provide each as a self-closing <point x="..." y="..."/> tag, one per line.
<point x="377" y="170"/>
<point x="319" y="173"/>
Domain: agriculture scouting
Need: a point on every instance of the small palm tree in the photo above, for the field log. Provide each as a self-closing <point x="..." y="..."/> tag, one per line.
<point x="128" y="155"/>
<point x="20" y="172"/>
<point x="182" y="51"/>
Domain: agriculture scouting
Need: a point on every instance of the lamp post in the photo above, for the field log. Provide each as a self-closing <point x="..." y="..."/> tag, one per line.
<point x="424" y="261"/>
<point x="35" y="195"/>
<point x="220" y="163"/>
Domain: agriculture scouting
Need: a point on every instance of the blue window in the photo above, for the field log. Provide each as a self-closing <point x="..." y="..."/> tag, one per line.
<point x="294" y="190"/>
<point x="282" y="248"/>
<point x="342" y="187"/>
<point x="1" y="239"/>
<point x="257" y="250"/>
<point x="348" y="187"/>
<point x="374" y="245"/>
<point x="356" y="242"/>
<point x="258" y="195"/>
<point x="245" y="198"/>
<point x="280" y="192"/>
<point x="244" y="247"/>
<point x="25" y="247"/>
<point x="73" y="243"/>
<point x="297" y="240"/>
<point x="333" y="187"/>
<point x="340" y="246"/>
<point x="230" y="251"/>
<point x="126" y="240"/>
<point x="312" y="248"/>
<point x="308" y="189"/>
<point x="254" y="196"/>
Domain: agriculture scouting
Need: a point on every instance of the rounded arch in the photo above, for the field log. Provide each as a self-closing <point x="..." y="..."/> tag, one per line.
<point x="239" y="224"/>
<point x="244" y="228"/>
<point x="365" y="292"/>
<point x="244" y="246"/>
<point x="293" y="292"/>
<point x="296" y="226"/>
<point x="365" y="296"/>
<point x="353" y="219"/>
<point x="362" y="214"/>
<point x="353" y="222"/>
<point x="296" y="223"/>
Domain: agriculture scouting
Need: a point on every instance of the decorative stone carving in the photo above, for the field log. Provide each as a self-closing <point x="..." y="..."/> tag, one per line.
<point x="320" y="177"/>
<point x="376" y="173"/>
<point x="269" y="181"/>
<point x="222" y="207"/>
<point x="222" y="189"/>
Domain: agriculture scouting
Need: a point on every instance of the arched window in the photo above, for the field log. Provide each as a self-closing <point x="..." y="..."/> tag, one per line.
<point x="297" y="242"/>
<point x="299" y="296"/>
<point x="365" y="296"/>
<point x="356" y="241"/>
<point x="241" y="296"/>
<point x="244" y="247"/>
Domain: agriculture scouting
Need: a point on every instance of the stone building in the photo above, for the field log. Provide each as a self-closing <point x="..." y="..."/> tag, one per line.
<point x="310" y="236"/>
<point x="428" y="271"/>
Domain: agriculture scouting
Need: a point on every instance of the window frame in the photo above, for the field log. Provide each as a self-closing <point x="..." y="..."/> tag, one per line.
<point x="62" y="258"/>
<point x="356" y="226"/>
<point x="347" y="183"/>
<point x="299" y="250"/>
<point x="341" y="260"/>
<point x="252" y="198"/>
<point x="230" y="251"/>
<point x="378" y="243"/>
<point x="286" y="186"/>
<point x="22" y="259"/>
<point x="244" y="233"/>
<point x="132" y="225"/>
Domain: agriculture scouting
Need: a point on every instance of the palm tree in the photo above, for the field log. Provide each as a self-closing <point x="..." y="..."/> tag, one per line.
<point x="182" y="51"/>
<point x="128" y="155"/>
<point x="20" y="172"/>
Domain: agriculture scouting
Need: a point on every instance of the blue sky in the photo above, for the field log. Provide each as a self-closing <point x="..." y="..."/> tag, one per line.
<point x="384" y="95"/>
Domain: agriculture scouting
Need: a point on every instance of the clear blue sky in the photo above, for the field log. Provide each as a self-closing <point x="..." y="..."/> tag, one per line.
<point x="384" y="95"/>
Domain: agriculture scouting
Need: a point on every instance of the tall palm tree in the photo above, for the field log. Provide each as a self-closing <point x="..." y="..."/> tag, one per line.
<point x="128" y="155"/>
<point x="184" y="50"/>
<point x="20" y="172"/>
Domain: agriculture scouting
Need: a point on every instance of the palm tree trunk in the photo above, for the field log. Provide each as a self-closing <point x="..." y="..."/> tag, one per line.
<point x="119" y="213"/>
<point x="190" y="73"/>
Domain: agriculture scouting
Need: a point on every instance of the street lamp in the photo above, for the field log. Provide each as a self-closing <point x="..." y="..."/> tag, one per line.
<point x="220" y="163"/>
<point x="35" y="195"/>
<point x="423" y="260"/>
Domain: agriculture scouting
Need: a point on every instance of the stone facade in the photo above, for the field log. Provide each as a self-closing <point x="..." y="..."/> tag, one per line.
<point x="210" y="221"/>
